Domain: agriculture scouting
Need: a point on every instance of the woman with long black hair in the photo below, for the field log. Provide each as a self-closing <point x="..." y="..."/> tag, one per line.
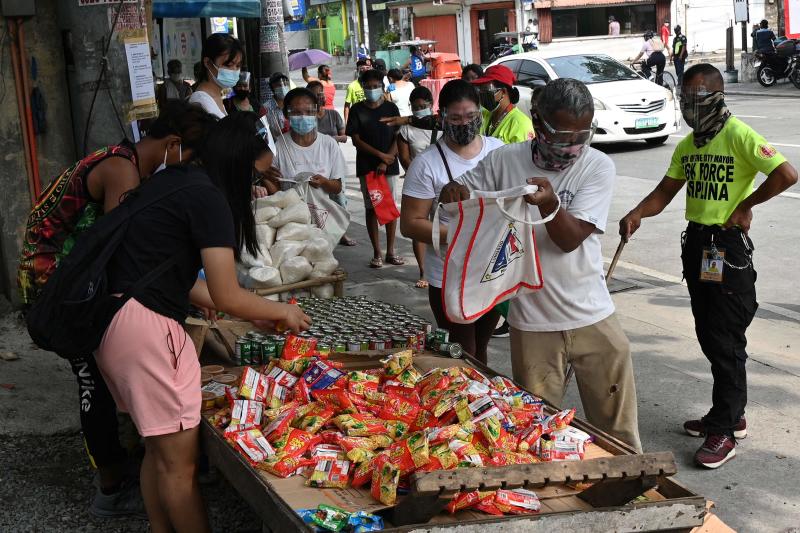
<point x="221" y="64"/>
<point x="148" y="361"/>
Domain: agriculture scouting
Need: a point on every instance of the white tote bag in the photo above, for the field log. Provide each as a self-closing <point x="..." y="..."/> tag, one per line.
<point x="326" y="214"/>
<point x="492" y="255"/>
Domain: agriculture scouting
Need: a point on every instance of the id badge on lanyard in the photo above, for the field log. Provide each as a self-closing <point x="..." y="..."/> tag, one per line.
<point x="712" y="263"/>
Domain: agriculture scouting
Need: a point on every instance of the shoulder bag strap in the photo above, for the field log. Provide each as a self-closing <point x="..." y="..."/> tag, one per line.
<point x="434" y="135"/>
<point x="444" y="160"/>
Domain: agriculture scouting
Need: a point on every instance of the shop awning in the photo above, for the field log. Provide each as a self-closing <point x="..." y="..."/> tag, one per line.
<point x="206" y="8"/>
<point x="560" y="4"/>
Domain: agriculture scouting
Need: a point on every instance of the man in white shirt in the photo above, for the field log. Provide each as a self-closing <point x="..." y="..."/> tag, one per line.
<point x="571" y="319"/>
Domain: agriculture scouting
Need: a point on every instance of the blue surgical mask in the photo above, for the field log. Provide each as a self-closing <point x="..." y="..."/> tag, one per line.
<point x="373" y="95"/>
<point x="303" y="124"/>
<point x="422" y="113"/>
<point x="281" y="92"/>
<point x="226" y="77"/>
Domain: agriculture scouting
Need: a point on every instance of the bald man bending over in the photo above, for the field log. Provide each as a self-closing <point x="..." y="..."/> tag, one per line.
<point x="718" y="163"/>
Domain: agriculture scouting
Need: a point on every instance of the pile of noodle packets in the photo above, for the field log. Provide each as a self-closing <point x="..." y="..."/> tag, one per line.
<point x="373" y="428"/>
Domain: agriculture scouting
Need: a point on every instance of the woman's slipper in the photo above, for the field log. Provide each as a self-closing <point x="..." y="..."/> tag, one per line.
<point x="395" y="260"/>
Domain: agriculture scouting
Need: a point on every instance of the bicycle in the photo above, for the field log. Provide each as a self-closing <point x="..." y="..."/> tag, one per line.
<point x="667" y="79"/>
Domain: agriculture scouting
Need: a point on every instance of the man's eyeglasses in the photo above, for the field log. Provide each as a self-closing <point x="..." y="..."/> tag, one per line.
<point x="565" y="136"/>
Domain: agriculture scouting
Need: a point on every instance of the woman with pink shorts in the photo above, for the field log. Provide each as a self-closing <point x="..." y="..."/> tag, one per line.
<point x="148" y="361"/>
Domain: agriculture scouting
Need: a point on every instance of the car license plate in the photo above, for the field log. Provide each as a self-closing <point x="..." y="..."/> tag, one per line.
<point x="647" y="122"/>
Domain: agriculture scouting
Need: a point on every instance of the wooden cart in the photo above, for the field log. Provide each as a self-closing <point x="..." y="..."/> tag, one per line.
<point x="626" y="492"/>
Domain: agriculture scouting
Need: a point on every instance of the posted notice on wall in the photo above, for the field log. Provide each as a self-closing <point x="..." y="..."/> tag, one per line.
<point x="791" y="14"/>
<point x="140" y="70"/>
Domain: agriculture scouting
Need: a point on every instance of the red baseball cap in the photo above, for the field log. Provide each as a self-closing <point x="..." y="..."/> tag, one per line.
<point x="497" y="73"/>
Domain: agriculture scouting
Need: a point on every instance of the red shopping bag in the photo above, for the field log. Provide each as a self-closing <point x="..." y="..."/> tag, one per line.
<point x="382" y="198"/>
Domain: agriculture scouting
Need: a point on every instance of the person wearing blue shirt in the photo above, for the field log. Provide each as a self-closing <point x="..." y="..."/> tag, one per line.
<point x="417" y="65"/>
<point x="765" y="38"/>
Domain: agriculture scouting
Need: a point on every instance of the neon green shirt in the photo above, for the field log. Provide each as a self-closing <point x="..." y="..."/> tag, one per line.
<point x="515" y="127"/>
<point x="355" y="93"/>
<point x="721" y="174"/>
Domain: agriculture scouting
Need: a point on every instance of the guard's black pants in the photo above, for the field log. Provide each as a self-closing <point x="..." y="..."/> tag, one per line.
<point x="722" y="312"/>
<point x="679" y="64"/>
<point x="98" y="414"/>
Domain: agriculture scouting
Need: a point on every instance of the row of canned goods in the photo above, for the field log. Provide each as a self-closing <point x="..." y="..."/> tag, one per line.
<point x="352" y="324"/>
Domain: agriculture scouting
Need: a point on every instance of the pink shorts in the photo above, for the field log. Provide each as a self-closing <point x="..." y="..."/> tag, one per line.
<point x="152" y="370"/>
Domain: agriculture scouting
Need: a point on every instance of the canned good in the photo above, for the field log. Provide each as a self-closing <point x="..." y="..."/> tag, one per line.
<point x="451" y="349"/>
<point x="364" y="343"/>
<point x="399" y="342"/>
<point x="442" y="335"/>
<point x="268" y="350"/>
<point x="242" y="350"/>
<point x="430" y="342"/>
<point x="324" y="349"/>
<point x="340" y="346"/>
<point x="353" y="345"/>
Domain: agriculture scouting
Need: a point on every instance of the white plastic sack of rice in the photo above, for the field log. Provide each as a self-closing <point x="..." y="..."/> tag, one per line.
<point x="295" y="269"/>
<point x="281" y="199"/>
<point x="293" y="231"/>
<point x="261" y="259"/>
<point x="317" y="249"/>
<point x="263" y="278"/>
<point x="324" y="268"/>
<point x="265" y="235"/>
<point x="324" y="291"/>
<point x="293" y="213"/>
<point x="283" y="250"/>
<point x="264" y="214"/>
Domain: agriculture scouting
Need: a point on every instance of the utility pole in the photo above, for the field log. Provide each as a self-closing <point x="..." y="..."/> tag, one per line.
<point x="272" y="45"/>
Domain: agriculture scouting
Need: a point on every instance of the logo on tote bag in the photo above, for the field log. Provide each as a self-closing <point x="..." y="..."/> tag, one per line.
<point x="507" y="251"/>
<point x="376" y="197"/>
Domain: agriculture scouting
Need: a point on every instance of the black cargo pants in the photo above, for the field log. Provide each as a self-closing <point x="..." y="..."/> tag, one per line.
<point x="722" y="312"/>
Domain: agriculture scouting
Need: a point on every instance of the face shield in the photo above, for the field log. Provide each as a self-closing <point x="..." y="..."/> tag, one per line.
<point x="697" y="103"/>
<point x="564" y="137"/>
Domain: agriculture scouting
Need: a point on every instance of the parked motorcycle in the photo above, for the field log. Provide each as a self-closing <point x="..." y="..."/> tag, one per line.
<point x="783" y="63"/>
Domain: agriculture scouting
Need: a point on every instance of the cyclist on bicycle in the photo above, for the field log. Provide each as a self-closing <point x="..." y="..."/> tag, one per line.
<point x="653" y="52"/>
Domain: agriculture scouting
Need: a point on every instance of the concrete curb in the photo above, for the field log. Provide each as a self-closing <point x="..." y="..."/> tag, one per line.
<point x="745" y="92"/>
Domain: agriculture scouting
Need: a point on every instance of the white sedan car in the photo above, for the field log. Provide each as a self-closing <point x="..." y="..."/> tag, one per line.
<point x="626" y="106"/>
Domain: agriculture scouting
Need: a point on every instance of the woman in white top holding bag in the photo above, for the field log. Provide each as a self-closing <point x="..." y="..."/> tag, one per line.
<point x="460" y="150"/>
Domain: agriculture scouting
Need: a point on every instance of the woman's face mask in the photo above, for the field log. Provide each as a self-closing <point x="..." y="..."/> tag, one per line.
<point x="163" y="165"/>
<point x="424" y="112"/>
<point x="463" y="133"/>
<point x="373" y="95"/>
<point x="303" y="124"/>
<point x="225" y="78"/>
<point x="280" y="91"/>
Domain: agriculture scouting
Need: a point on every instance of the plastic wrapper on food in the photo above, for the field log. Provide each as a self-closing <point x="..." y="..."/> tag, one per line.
<point x="296" y="347"/>
<point x="482" y="446"/>
<point x="283" y="250"/>
<point x="247" y="412"/>
<point x="280" y="425"/>
<point x="328" y="451"/>
<point x="315" y="419"/>
<point x="359" y="382"/>
<point x="253" y="385"/>
<point x="234" y="429"/>
<point x="359" y="425"/>
<point x="322" y="375"/>
<point x="281" y="377"/>
<point x="408" y="377"/>
<point x="568" y="444"/>
<point x="491" y="429"/>
<point x="446" y="401"/>
<point x="477" y="410"/>
<point x="296" y="442"/>
<point x="265" y="237"/>
<point x="433" y="382"/>
<point x="295" y="269"/>
<point x="517" y="501"/>
<point x="487" y="505"/>
<point x="466" y="453"/>
<point x="317" y="249"/>
<point x="262" y="215"/>
<point x="425" y="420"/>
<point x="505" y="458"/>
<point x="281" y="199"/>
<point x="302" y="410"/>
<point x="476" y="375"/>
<point x="385" y="479"/>
<point x="293" y="231"/>
<point x="382" y="441"/>
<point x="410" y="453"/>
<point x="221" y="418"/>
<point x="331" y="518"/>
<point x="395" y="388"/>
<point x="397" y="362"/>
<point x="445" y="434"/>
<point x="530" y="435"/>
<point x="253" y="446"/>
<point x="446" y="457"/>
<point x="324" y="292"/>
<point x="375" y="397"/>
<point x="338" y="399"/>
<point x="525" y="415"/>
<point x="397" y="429"/>
<point x="360" y="455"/>
<point x="362" y="522"/>
<point x="260" y="259"/>
<point x="277" y="395"/>
<point x="295" y="366"/>
<point x="504" y="385"/>
<point x="324" y="267"/>
<point x="272" y="414"/>
<point x="463" y="500"/>
<point x="263" y="278"/>
<point x="284" y="466"/>
<point x="329" y="474"/>
<point x="294" y="213"/>
<point x="362" y="474"/>
<point x="398" y="408"/>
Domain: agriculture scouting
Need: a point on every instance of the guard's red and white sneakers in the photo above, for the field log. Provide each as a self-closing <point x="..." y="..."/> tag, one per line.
<point x="715" y="451"/>
<point x="695" y="428"/>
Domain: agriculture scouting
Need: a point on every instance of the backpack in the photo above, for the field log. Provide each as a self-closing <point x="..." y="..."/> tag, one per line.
<point x="75" y="307"/>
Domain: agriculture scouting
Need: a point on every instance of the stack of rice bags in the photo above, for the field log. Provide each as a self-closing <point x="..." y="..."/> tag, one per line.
<point x="292" y="249"/>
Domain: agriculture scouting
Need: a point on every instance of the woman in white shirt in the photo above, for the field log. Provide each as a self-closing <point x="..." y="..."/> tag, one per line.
<point x="460" y="150"/>
<point x="400" y="92"/>
<point x="411" y="142"/>
<point x="222" y="61"/>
